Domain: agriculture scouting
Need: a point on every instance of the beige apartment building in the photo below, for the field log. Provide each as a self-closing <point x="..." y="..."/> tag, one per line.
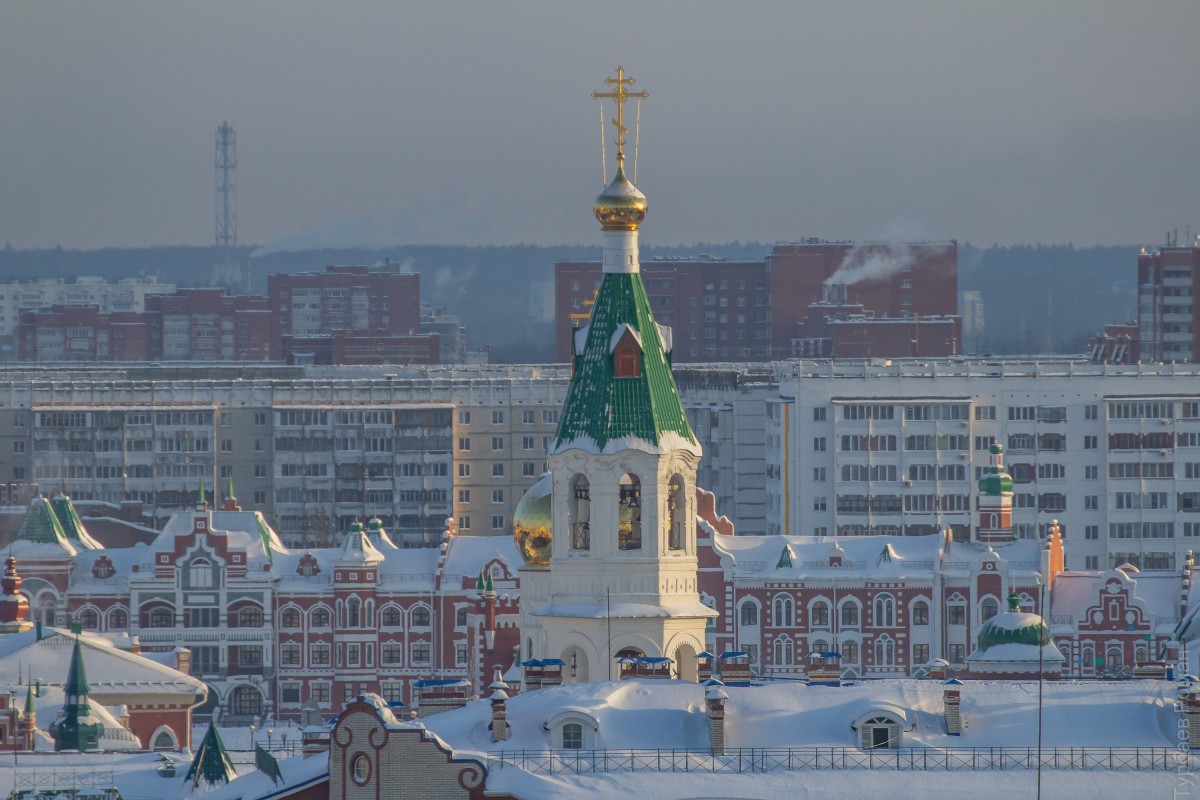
<point x="315" y="448"/>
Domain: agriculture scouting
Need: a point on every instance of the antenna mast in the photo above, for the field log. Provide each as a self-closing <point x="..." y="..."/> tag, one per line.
<point x="227" y="272"/>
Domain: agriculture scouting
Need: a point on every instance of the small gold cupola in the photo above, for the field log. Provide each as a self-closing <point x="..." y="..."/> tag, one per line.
<point x="620" y="207"/>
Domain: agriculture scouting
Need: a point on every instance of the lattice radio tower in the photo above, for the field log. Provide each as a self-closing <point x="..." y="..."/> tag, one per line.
<point x="227" y="272"/>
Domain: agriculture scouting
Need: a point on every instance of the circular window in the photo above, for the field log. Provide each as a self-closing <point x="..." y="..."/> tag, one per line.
<point x="361" y="769"/>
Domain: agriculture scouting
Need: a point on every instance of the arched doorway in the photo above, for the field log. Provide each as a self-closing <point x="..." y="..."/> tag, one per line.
<point x="685" y="663"/>
<point x="246" y="701"/>
<point x="576" y="669"/>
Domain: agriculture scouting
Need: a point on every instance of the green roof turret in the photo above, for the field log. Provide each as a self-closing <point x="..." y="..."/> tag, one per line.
<point x="73" y="730"/>
<point x="995" y="480"/>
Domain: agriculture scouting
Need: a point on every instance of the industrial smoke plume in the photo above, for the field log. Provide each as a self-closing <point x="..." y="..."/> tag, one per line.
<point x="870" y="262"/>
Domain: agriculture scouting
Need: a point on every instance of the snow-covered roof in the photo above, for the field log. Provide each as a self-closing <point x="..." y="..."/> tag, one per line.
<point x="466" y="555"/>
<point x="1158" y="590"/>
<point x="83" y="577"/>
<point x="133" y="773"/>
<point x="50" y="706"/>
<point x="653" y="714"/>
<point x="108" y="669"/>
<point x="295" y="773"/>
<point x="401" y="569"/>
<point x="862" y="556"/>
<point x="246" y="530"/>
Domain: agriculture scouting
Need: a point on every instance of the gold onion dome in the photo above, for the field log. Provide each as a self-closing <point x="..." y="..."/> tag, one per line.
<point x="532" y="521"/>
<point x="620" y="207"/>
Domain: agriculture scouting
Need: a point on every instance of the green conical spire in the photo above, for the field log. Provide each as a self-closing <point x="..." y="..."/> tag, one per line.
<point x="76" y="685"/>
<point x="72" y="731"/>
<point x="601" y="407"/>
<point x="488" y="585"/>
<point x="229" y="492"/>
<point x="30" y="706"/>
<point x="785" y="558"/>
<point x="203" y="501"/>
<point x="479" y="582"/>
<point x="211" y="763"/>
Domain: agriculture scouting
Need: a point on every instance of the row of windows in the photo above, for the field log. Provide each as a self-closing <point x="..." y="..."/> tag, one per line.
<point x="355" y="654"/>
<point x="390" y="616"/>
<point x="883" y="607"/>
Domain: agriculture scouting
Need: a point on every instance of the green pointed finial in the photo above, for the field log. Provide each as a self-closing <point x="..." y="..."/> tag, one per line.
<point x="785" y="558"/>
<point x="30" y="706"/>
<point x="479" y="582"/>
<point x="203" y="500"/>
<point x="488" y="585"/>
<point x="76" y="685"/>
<point x="229" y="492"/>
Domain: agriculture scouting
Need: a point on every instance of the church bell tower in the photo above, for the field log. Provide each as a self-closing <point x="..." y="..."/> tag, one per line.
<point x="617" y="574"/>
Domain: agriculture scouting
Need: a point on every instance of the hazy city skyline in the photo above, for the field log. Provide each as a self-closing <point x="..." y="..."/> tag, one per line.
<point x="381" y="124"/>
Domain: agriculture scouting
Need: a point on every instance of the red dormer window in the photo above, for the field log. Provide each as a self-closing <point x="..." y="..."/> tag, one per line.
<point x="627" y="357"/>
<point x="308" y="565"/>
<point x="103" y="568"/>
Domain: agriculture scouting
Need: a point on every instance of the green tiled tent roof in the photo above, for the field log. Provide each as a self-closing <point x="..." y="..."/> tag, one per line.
<point x="41" y="525"/>
<point x="600" y="407"/>
<point x="72" y="525"/>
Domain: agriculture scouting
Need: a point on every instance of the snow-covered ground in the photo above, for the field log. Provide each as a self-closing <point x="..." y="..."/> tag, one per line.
<point x="877" y="785"/>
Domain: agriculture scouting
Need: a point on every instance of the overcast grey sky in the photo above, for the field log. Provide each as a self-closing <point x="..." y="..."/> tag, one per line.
<point x="444" y="122"/>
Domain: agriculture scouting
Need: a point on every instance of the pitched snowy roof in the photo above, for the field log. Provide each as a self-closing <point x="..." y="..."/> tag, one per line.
<point x="862" y="556"/>
<point x="467" y="555"/>
<point x="108" y="669"/>
<point x="1075" y="590"/>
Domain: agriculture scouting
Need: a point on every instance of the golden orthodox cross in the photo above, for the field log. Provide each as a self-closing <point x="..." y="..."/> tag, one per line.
<point x="619" y="96"/>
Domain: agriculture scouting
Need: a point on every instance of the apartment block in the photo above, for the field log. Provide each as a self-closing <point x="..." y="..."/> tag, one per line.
<point x="124" y="295"/>
<point x="1112" y="452"/>
<point x="315" y="448"/>
<point x="1168" y="283"/>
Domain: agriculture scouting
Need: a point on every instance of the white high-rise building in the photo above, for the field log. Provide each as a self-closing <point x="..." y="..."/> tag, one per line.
<point x="1112" y="452"/>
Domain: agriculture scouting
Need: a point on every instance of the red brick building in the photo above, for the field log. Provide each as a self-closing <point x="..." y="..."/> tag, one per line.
<point x="754" y="310"/>
<point x="718" y="310"/>
<point x="208" y="325"/>
<point x="345" y="298"/>
<point x="81" y="333"/>
<point x="1168" y="304"/>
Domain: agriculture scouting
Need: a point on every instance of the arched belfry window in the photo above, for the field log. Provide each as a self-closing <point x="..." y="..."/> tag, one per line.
<point x="675" y="513"/>
<point x="629" y="513"/>
<point x="581" y="513"/>
<point x="353" y="608"/>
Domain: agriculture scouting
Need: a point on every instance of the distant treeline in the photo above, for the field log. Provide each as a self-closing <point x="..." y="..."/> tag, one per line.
<point x="1037" y="298"/>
